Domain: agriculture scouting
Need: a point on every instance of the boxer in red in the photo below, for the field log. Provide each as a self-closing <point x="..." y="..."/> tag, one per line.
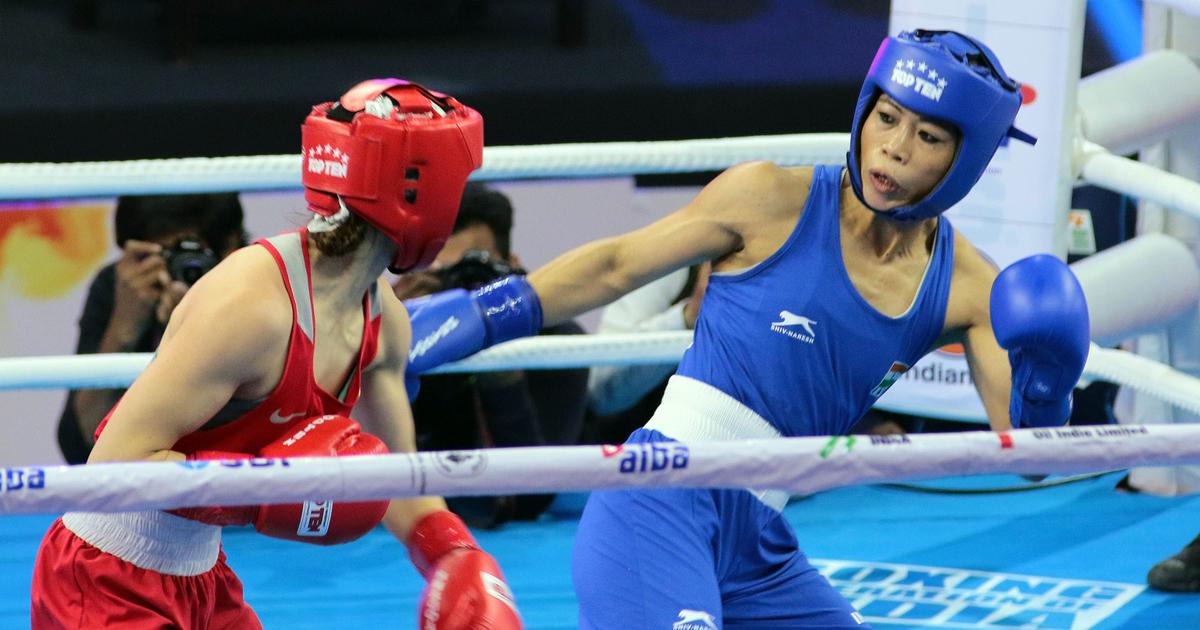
<point x="268" y="355"/>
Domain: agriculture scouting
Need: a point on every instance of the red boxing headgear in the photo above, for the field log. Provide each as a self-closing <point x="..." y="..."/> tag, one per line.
<point x="400" y="163"/>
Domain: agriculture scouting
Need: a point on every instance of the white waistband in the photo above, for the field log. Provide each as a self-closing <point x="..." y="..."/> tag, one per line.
<point x="155" y="541"/>
<point x="693" y="411"/>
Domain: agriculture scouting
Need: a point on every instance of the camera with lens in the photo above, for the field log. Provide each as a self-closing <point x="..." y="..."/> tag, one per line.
<point x="477" y="268"/>
<point x="188" y="259"/>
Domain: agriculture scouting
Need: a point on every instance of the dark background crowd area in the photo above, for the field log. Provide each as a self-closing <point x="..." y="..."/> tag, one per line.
<point x="123" y="79"/>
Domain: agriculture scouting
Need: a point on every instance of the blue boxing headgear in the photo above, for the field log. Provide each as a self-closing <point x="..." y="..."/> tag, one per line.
<point x="951" y="78"/>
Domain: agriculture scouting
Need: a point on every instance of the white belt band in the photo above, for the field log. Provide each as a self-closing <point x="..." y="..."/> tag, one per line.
<point x="155" y="541"/>
<point x="692" y="411"/>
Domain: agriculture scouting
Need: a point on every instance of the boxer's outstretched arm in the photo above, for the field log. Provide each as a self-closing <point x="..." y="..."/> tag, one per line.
<point x="223" y="338"/>
<point x="708" y="227"/>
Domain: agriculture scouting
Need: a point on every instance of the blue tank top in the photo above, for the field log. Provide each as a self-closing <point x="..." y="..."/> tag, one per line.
<point x="793" y="340"/>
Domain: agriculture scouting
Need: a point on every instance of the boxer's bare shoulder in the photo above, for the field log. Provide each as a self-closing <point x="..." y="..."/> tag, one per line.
<point x="241" y="307"/>
<point x="765" y="202"/>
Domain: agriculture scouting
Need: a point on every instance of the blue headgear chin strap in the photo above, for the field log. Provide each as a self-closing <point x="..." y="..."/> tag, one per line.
<point x="951" y="78"/>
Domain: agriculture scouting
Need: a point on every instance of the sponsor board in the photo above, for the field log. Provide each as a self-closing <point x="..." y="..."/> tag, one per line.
<point x="940" y="597"/>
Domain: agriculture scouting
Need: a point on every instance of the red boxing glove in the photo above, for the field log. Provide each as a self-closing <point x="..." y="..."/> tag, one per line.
<point x="221" y="516"/>
<point x="466" y="589"/>
<point x="323" y="522"/>
<point x="314" y="522"/>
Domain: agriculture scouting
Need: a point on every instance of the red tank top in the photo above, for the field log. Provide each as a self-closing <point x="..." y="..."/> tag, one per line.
<point x="246" y="426"/>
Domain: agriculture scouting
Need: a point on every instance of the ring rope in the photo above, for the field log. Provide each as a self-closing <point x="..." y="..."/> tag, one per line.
<point x="1097" y="166"/>
<point x="1092" y="163"/>
<point x="797" y="465"/>
<point x="573" y="351"/>
<point x="274" y="172"/>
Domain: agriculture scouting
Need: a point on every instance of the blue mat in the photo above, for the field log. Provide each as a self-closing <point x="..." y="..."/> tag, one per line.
<point x="1071" y="556"/>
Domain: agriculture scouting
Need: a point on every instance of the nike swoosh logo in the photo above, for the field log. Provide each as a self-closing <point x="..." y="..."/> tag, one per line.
<point x="278" y="419"/>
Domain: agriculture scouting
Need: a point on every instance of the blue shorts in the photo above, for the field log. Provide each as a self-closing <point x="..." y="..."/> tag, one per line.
<point x="684" y="559"/>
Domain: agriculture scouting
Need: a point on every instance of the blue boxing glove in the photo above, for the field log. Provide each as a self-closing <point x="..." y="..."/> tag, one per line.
<point x="1040" y="316"/>
<point x="454" y="324"/>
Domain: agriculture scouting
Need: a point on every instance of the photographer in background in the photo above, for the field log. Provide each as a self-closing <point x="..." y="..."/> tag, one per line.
<point x="491" y="409"/>
<point x="167" y="243"/>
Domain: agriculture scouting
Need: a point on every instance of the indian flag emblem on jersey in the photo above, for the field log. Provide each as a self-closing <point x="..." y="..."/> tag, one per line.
<point x="893" y="374"/>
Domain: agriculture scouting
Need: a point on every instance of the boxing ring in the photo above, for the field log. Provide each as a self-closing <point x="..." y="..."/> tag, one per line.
<point x="960" y="555"/>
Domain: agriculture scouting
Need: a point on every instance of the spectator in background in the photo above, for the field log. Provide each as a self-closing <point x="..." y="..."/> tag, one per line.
<point x="491" y="409"/>
<point x="167" y="243"/>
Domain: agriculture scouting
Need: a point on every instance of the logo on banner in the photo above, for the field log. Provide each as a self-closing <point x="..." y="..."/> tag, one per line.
<point x="1087" y="433"/>
<point x="893" y="374"/>
<point x="460" y="464"/>
<point x="919" y="77"/>
<point x="942" y="367"/>
<point x="936" y="597"/>
<point x="648" y="457"/>
<point x="831" y="446"/>
<point x="328" y="160"/>
<point x="22" y="479"/>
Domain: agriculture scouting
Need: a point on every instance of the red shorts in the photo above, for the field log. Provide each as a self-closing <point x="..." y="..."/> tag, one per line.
<point x="76" y="585"/>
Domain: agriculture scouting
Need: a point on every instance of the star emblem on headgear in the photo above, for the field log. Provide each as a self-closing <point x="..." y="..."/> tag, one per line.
<point x="329" y="152"/>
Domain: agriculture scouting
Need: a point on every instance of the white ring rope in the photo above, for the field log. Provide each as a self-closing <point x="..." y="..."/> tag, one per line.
<point x="1097" y="166"/>
<point x="1093" y="163"/>
<point x="273" y="172"/>
<point x="795" y="465"/>
<point x="559" y="351"/>
<point x="1144" y="375"/>
<point x="572" y="351"/>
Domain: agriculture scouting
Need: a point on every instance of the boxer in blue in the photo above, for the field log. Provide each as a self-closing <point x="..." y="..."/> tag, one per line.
<point x="827" y="284"/>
